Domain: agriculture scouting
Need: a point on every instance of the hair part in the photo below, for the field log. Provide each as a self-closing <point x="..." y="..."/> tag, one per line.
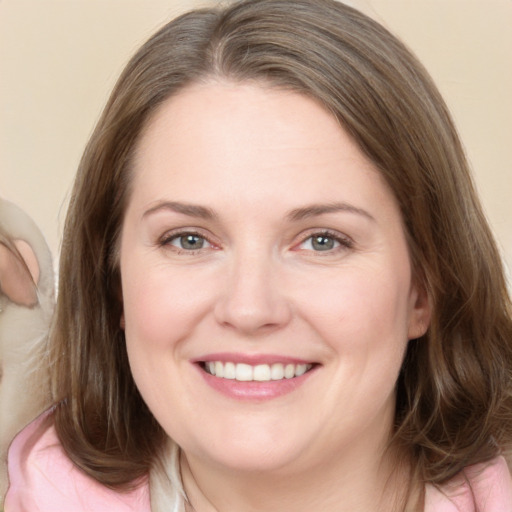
<point x="453" y="396"/>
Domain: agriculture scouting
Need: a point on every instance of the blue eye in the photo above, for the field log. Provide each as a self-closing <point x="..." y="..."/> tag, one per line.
<point x="324" y="242"/>
<point x="320" y="243"/>
<point x="188" y="242"/>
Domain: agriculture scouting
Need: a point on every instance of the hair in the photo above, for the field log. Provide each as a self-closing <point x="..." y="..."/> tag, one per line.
<point x="454" y="404"/>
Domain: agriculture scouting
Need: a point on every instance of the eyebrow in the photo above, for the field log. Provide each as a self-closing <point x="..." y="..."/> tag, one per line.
<point x="315" y="210"/>
<point x="191" y="210"/>
<point x="295" y="215"/>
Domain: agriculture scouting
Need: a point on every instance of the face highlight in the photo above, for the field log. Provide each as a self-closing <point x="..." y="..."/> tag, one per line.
<point x="267" y="289"/>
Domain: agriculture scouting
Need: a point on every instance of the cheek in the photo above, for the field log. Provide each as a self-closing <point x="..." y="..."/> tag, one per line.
<point x="161" y="310"/>
<point x="161" y="306"/>
<point x="358" y="307"/>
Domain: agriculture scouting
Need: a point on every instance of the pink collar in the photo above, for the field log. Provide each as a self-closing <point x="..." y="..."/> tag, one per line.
<point x="485" y="487"/>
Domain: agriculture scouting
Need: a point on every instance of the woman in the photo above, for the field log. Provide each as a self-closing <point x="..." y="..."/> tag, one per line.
<point x="278" y="290"/>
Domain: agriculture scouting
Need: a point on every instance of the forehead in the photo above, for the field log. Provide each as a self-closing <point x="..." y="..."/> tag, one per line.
<point x="249" y="139"/>
<point x="199" y="110"/>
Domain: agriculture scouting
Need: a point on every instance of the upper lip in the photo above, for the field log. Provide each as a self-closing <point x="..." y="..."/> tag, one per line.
<point x="251" y="359"/>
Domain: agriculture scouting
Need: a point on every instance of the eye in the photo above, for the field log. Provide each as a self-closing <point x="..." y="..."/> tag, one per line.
<point x="324" y="242"/>
<point x="187" y="241"/>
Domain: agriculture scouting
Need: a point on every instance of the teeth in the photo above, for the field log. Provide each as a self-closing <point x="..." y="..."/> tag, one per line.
<point x="277" y="371"/>
<point x="243" y="372"/>
<point x="229" y="371"/>
<point x="300" y="370"/>
<point x="289" y="371"/>
<point x="260" y="373"/>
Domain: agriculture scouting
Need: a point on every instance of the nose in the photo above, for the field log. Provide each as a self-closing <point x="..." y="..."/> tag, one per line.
<point x="253" y="300"/>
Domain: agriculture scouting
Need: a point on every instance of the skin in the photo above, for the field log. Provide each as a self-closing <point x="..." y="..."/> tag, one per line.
<point x="257" y="159"/>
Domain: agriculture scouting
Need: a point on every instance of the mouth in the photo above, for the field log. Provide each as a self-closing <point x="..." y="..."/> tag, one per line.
<point x="243" y="372"/>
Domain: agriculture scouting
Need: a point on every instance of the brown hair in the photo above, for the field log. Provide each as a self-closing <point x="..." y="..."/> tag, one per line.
<point x="454" y="403"/>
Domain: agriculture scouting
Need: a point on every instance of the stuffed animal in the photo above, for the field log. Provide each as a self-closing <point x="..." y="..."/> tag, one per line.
<point x="26" y="307"/>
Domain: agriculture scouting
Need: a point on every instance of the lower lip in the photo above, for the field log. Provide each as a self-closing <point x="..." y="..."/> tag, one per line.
<point x="254" y="390"/>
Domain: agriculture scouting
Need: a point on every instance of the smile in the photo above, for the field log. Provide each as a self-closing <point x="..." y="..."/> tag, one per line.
<point x="255" y="373"/>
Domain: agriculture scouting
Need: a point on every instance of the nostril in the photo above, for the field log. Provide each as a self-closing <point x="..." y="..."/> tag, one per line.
<point x="252" y="315"/>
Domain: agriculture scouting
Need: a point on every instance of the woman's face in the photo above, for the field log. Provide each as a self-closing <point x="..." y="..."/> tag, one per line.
<point x="266" y="282"/>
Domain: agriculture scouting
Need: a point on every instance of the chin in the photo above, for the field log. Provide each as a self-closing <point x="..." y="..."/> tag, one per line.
<point x="254" y="460"/>
<point x="257" y="451"/>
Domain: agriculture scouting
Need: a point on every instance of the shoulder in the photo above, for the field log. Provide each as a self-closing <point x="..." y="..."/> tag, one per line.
<point x="43" y="479"/>
<point x="482" y="487"/>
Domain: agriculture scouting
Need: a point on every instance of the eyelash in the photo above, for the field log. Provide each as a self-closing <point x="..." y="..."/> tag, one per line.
<point x="168" y="238"/>
<point x="343" y="241"/>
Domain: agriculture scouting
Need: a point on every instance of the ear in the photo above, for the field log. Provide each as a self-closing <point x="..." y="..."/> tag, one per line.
<point x="18" y="278"/>
<point x="420" y="312"/>
<point x="29" y="257"/>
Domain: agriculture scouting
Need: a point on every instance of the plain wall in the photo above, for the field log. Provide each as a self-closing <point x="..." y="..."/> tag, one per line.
<point x="60" y="58"/>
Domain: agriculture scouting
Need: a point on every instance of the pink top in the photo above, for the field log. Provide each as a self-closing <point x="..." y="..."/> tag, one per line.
<point x="43" y="479"/>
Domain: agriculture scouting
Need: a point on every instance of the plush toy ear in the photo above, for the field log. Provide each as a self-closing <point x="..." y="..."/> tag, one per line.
<point x="18" y="278"/>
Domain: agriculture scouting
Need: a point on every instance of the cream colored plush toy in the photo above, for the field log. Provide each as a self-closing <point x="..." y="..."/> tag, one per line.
<point x="26" y="307"/>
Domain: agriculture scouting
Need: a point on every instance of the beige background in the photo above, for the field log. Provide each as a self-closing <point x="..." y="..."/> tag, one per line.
<point x="60" y="58"/>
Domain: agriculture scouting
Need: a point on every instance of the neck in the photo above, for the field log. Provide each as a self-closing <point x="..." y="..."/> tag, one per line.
<point x="381" y="485"/>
